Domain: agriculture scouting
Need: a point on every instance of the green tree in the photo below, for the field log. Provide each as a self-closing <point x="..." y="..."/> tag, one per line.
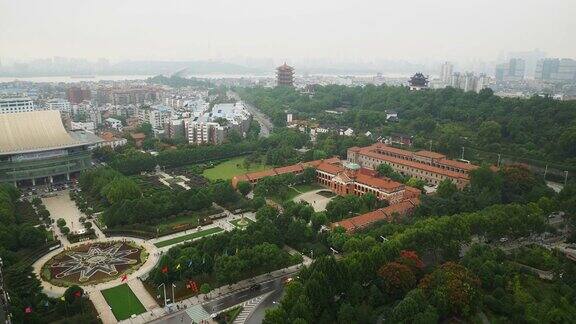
<point x="244" y="187"/>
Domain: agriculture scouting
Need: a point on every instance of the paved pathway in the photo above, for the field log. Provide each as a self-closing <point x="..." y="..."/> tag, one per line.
<point x="102" y="307"/>
<point x="143" y="295"/>
<point x="223" y="223"/>
<point x="318" y="202"/>
<point x="61" y="206"/>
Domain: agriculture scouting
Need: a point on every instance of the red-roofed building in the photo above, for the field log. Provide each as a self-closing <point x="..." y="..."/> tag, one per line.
<point x="390" y="213"/>
<point x="429" y="166"/>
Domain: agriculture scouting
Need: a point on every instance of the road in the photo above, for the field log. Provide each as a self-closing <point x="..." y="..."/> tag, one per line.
<point x="257" y="316"/>
<point x="218" y="305"/>
<point x="265" y="123"/>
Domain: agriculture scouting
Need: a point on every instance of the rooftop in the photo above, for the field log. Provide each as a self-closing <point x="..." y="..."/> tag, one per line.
<point x="35" y="131"/>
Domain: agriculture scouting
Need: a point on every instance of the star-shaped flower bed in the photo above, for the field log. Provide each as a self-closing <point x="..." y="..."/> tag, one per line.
<point x="92" y="263"/>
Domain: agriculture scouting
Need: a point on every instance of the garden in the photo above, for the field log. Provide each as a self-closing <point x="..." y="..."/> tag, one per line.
<point x="93" y="263"/>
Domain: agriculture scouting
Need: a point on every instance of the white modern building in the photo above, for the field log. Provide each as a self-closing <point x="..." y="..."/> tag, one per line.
<point x="16" y="105"/>
<point x="114" y="123"/>
<point x="59" y="104"/>
<point x="156" y="115"/>
<point x="446" y="72"/>
<point x="199" y="132"/>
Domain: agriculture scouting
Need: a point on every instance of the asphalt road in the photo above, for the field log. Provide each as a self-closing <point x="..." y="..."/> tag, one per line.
<point x="239" y="297"/>
<point x="265" y="123"/>
<point x="223" y="303"/>
<point x="257" y="316"/>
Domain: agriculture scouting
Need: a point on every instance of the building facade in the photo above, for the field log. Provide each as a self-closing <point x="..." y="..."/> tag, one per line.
<point x="429" y="166"/>
<point x="36" y="149"/>
<point x="204" y="133"/>
<point x="555" y="69"/>
<point x="16" y="105"/>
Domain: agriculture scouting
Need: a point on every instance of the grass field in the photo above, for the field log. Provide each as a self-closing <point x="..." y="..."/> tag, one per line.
<point x="228" y="169"/>
<point x="187" y="237"/>
<point x="123" y="302"/>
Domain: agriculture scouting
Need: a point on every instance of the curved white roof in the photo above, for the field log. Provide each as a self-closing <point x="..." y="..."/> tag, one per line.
<point x="33" y="131"/>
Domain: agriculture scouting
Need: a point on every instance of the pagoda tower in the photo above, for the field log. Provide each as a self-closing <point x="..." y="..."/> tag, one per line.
<point x="285" y="75"/>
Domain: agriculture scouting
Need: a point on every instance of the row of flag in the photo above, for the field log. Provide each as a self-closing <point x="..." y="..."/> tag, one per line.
<point x="28" y="309"/>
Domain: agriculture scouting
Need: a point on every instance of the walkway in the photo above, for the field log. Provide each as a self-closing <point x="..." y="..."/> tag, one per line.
<point x="317" y="201"/>
<point x="223" y="223"/>
<point x="143" y="295"/>
<point x="102" y="307"/>
<point x="61" y="206"/>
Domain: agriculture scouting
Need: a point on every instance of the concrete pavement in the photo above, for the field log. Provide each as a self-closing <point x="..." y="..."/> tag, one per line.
<point x="317" y="201"/>
<point x="102" y="307"/>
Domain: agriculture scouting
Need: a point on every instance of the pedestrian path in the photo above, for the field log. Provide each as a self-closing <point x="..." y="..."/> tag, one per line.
<point x="248" y="307"/>
<point x="197" y="313"/>
<point x="102" y="307"/>
<point x="142" y="294"/>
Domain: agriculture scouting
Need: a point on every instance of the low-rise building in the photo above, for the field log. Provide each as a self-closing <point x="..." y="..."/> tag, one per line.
<point x="111" y="140"/>
<point x="429" y="166"/>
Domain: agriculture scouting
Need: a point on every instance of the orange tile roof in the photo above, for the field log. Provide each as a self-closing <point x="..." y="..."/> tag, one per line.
<point x="260" y="174"/>
<point x="107" y="136"/>
<point x="137" y="136"/>
<point x="380" y="183"/>
<point x="330" y="168"/>
<point x="458" y="164"/>
<point x="364" y="220"/>
<point x="430" y="154"/>
<point x="289" y="168"/>
<point x="416" y="165"/>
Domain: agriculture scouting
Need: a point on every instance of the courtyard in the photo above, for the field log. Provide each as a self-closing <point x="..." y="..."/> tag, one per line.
<point x="318" y="199"/>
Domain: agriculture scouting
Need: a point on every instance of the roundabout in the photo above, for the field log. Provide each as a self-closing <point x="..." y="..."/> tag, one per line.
<point x="93" y="263"/>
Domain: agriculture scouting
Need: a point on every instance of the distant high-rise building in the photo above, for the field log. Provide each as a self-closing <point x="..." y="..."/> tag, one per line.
<point x="285" y="75"/>
<point x="16" y="105"/>
<point x="555" y="69"/>
<point x="531" y="59"/>
<point x="76" y="95"/>
<point x="510" y="71"/>
<point x="446" y="72"/>
<point x="469" y="81"/>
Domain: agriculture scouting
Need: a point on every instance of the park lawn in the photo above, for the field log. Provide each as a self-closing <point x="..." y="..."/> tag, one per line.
<point x="228" y="169"/>
<point x="187" y="237"/>
<point x="236" y="221"/>
<point x="123" y="302"/>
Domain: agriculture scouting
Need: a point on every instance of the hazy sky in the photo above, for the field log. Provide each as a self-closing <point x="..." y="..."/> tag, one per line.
<point x="349" y="30"/>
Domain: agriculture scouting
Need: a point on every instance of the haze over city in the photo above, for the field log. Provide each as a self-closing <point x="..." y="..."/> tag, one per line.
<point x="418" y="31"/>
<point x="287" y="162"/>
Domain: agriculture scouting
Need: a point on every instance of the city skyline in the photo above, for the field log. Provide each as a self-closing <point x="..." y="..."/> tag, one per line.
<point x="223" y="30"/>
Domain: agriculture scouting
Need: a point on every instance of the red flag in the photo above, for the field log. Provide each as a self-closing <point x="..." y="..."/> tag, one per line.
<point x="124" y="278"/>
<point x="28" y="310"/>
<point x="165" y="269"/>
<point x="78" y="293"/>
